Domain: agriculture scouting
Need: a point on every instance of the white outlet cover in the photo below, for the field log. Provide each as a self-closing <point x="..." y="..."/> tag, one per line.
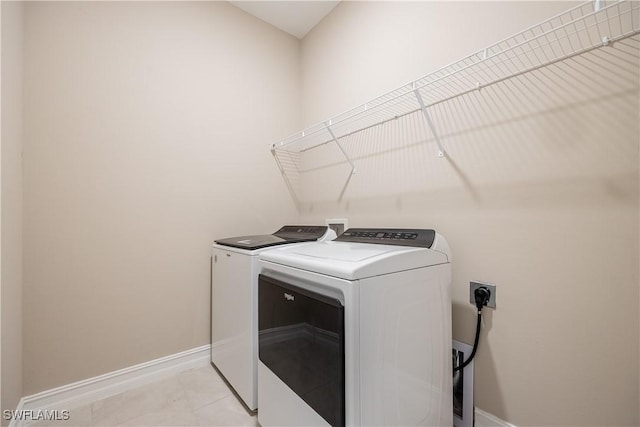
<point x="338" y="224"/>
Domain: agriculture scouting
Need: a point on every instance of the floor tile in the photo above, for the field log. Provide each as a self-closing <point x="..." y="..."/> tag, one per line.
<point x="78" y="417"/>
<point x="197" y="397"/>
<point x="203" y="386"/>
<point x="164" y="419"/>
<point x="225" y="412"/>
<point x="166" y="397"/>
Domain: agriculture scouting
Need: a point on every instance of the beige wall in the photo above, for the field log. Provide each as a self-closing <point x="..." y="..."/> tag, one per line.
<point x="146" y="127"/>
<point x="11" y="226"/>
<point x="539" y="194"/>
<point x="146" y="137"/>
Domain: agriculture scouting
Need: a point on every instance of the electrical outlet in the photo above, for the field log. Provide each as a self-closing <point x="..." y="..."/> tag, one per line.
<point x="492" y="288"/>
<point x="339" y="225"/>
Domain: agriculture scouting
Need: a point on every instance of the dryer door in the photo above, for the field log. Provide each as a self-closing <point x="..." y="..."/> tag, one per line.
<point x="301" y="340"/>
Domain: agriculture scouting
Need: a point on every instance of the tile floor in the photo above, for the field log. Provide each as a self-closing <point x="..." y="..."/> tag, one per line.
<point x="198" y="397"/>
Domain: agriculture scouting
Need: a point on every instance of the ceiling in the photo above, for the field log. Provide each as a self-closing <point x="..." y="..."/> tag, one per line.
<point x="295" y="17"/>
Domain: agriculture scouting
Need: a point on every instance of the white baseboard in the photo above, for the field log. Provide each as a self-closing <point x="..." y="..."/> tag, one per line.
<point x="83" y="392"/>
<point x="485" y="419"/>
<point x="80" y="393"/>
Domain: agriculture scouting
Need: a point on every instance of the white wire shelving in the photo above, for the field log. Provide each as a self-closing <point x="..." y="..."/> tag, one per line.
<point x="587" y="27"/>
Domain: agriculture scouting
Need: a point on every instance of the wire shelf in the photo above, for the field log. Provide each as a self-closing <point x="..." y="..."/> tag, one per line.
<point x="584" y="28"/>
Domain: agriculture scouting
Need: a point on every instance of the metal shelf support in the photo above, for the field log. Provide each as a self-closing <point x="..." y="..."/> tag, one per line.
<point x="597" y="5"/>
<point x="427" y="117"/>
<point x="344" y="153"/>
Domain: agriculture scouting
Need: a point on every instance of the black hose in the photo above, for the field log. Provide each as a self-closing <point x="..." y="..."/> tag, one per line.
<point x="475" y="344"/>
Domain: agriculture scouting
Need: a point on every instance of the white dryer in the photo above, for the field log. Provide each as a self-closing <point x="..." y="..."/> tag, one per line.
<point x="234" y="303"/>
<point x="356" y="331"/>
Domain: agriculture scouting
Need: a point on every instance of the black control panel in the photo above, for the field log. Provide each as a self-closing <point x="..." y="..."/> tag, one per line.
<point x="311" y="232"/>
<point x="420" y="238"/>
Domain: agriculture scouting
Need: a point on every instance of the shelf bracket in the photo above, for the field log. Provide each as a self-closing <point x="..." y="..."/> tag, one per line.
<point x="597" y="5"/>
<point x="427" y="117"/>
<point x="344" y="153"/>
<point x="287" y="181"/>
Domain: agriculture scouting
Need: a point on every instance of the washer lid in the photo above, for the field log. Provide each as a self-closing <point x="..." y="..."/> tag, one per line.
<point x="352" y="261"/>
<point x="287" y="234"/>
<point x="252" y="242"/>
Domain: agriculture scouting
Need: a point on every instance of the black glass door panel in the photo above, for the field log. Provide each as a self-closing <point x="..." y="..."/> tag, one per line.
<point x="301" y="340"/>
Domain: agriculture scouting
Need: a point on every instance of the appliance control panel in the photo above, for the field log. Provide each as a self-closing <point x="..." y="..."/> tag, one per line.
<point x="301" y="232"/>
<point x="421" y="238"/>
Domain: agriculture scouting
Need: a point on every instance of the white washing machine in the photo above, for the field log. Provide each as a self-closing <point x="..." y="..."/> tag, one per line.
<point x="356" y="331"/>
<point x="234" y="303"/>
